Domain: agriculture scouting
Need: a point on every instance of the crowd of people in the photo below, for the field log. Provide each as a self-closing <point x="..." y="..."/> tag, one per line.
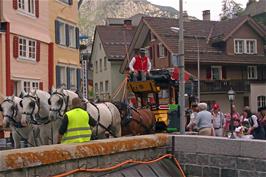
<point x="213" y="122"/>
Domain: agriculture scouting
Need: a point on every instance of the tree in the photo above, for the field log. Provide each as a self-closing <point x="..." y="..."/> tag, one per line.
<point x="230" y="9"/>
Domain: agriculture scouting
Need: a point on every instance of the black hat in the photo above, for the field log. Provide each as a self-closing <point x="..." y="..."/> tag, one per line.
<point x="261" y="108"/>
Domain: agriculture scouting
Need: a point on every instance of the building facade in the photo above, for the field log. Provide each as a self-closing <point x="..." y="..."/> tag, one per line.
<point x="108" y="51"/>
<point x="230" y="53"/>
<point x="64" y="32"/>
<point x="24" y="46"/>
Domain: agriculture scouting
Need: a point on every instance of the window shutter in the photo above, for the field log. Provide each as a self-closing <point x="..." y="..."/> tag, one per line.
<point x="15" y="4"/>
<point x="78" y="79"/>
<point x="58" y="77"/>
<point x="37" y="8"/>
<point x="15" y="46"/>
<point x="158" y="51"/>
<point x="41" y="85"/>
<point x="38" y="51"/>
<point x="70" y="2"/>
<point x="68" y="78"/>
<point x="208" y="72"/>
<point x="77" y="37"/>
<point x="150" y="51"/>
<point x="224" y="72"/>
<point x="165" y="51"/>
<point x="57" y="32"/>
<point x="260" y="72"/>
<point x="67" y="34"/>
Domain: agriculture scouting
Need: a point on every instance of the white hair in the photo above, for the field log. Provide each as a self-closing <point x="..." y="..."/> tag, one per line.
<point x="202" y="106"/>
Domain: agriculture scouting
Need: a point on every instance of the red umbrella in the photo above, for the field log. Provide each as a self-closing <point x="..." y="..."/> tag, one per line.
<point x="175" y="75"/>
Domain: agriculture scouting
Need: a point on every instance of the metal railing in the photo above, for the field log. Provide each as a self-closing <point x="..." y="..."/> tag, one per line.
<point x="224" y="85"/>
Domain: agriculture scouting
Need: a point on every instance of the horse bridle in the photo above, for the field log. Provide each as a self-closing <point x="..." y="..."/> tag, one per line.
<point x="63" y="99"/>
<point x="14" y="109"/>
<point x="34" y="100"/>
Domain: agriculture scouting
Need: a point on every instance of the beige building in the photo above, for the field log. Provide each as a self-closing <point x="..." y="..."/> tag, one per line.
<point x="64" y="33"/>
<point x="108" y="52"/>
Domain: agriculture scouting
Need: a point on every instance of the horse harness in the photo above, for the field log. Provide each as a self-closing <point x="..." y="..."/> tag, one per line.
<point x="101" y="125"/>
<point x="14" y="109"/>
<point x="140" y="122"/>
<point x="40" y="120"/>
<point x="62" y="98"/>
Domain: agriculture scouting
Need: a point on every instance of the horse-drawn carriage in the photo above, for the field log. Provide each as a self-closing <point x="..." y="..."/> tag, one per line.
<point x="160" y="95"/>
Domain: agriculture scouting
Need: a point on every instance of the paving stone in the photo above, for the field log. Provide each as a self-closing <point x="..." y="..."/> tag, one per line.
<point x="223" y="161"/>
<point x="246" y="164"/>
<point x="242" y="173"/>
<point x="261" y="174"/>
<point x="260" y="165"/>
<point x="202" y="159"/>
<point x="193" y="170"/>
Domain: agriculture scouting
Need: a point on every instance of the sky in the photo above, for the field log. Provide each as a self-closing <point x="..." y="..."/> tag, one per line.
<point x="195" y="7"/>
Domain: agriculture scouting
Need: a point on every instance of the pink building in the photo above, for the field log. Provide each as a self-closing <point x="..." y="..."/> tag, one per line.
<point x="25" y="46"/>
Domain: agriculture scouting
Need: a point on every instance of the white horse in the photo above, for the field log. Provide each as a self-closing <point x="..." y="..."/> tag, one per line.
<point x="107" y="117"/>
<point x="12" y="113"/>
<point x="36" y="111"/>
<point x="60" y="102"/>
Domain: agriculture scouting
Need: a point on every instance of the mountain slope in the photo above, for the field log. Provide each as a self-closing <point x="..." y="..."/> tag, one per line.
<point x="95" y="12"/>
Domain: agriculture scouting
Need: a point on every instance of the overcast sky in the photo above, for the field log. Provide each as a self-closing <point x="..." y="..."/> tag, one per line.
<point x="195" y="7"/>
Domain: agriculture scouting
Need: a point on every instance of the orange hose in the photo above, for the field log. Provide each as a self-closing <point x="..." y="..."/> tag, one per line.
<point x="120" y="165"/>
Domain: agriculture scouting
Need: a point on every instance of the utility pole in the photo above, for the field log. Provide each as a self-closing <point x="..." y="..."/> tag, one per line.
<point x="181" y="70"/>
<point x="198" y="61"/>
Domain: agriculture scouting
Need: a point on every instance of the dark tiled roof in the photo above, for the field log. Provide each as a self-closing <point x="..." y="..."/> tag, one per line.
<point x="115" y="39"/>
<point x="164" y="168"/>
<point x="224" y="28"/>
<point x="205" y="32"/>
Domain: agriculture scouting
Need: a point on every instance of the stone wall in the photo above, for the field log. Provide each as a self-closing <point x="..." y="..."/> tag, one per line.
<point x="56" y="159"/>
<point x="220" y="157"/>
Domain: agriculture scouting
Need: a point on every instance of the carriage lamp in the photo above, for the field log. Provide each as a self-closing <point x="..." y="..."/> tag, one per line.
<point x="231" y="97"/>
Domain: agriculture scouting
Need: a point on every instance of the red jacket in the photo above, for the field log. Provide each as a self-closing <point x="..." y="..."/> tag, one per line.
<point x="141" y="64"/>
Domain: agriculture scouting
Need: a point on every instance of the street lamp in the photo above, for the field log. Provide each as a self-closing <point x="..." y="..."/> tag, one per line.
<point x="231" y="97"/>
<point x="198" y="62"/>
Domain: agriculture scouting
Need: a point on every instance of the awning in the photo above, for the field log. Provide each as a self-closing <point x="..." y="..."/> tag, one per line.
<point x="175" y="75"/>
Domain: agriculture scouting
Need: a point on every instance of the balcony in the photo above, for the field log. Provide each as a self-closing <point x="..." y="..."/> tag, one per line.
<point x="222" y="86"/>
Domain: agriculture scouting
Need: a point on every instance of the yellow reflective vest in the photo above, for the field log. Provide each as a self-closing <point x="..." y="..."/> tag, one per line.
<point x="78" y="128"/>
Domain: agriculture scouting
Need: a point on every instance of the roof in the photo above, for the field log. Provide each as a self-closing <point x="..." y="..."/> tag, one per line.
<point x="163" y="168"/>
<point x="207" y="33"/>
<point x="255" y="8"/>
<point x="115" y="39"/>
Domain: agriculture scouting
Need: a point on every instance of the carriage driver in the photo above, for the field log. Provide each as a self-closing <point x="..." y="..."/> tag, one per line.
<point x="140" y="66"/>
<point x="75" y="127"/>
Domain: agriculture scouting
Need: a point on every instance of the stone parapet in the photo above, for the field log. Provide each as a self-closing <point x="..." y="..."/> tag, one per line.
<point x="220" y="157"/>
<point x="55" y="159"/>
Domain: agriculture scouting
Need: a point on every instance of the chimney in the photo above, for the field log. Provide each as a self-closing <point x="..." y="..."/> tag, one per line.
<point x="206" y="15"/>
<point x="185" y="16"/>
<point x="128" y="24"/>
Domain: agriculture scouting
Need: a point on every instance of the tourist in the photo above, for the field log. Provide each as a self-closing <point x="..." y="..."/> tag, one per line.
<point x="191" y="125"/>
<point x="218" y="120"/>
<point x="204" y="121"/>
<point x="262" y="118"/>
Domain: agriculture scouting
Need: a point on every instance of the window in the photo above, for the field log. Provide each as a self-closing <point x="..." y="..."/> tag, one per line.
<point x="96" y="66"/>
<point x="66" y="1"/>
<point x="161" y="50"/>
<point x="101" y="87"/>
<point x="62" y="32"/>
<point x="72" y="36"/>
<point x="251" y="46"/>
<point x="63" y="81"/>
<point x="73" y="81"/>
<point x="105" y="63"/>
<point x="27" y="49"/>
<point x="101" y="64"/>
<point x="239" y="46"/>
<point x="96" y="87"/>
<point x="106" y="86"/>
<point x="216" y="73"/>
<point x="261" y="101"/>
<point x="30" y="85"/>
<point x="247" y="46"/>
<point x="252" y="72"/>
<point x="27" y="6"/>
